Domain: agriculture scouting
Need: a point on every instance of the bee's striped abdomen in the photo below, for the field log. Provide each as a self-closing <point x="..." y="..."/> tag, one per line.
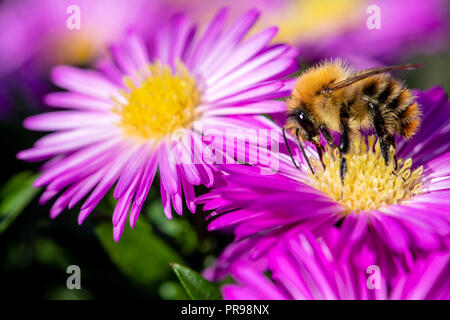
<point x="400" y="112"/>
<point x="410" y="120"/>
<point x="407" y="113"/>
<point x="390" y="93"/>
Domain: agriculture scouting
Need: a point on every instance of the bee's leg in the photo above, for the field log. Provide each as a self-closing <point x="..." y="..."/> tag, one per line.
<point x="303" y="152"/>
<point x="289" y="149"/>
<point x="326" y="134"/>
<point x="384" y="137"/>
<point x="343" y="150"/>
<point x="391" y="141"/>
<point x="344" y="144"/>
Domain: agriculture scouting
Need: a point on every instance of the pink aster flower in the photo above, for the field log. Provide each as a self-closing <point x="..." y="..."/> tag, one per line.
<point x="303" y="268"/>
<point x="397" y="216"/>
<point x="136" y="113"/>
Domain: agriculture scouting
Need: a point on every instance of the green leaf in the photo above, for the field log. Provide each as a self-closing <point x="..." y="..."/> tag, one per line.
<point x="197" y="287"/>
<point x="141" y="255"/>
<point x="15" y="195"/>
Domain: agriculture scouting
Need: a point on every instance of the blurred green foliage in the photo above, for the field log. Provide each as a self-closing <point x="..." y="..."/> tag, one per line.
<point x="140" y="254"/>
<point x="434" y="72"/>
<point x="179" y="230"/>
<point x="14" y="196"/>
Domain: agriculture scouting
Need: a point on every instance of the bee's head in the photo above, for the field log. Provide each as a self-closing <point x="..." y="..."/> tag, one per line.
<point x="301" y="123"/>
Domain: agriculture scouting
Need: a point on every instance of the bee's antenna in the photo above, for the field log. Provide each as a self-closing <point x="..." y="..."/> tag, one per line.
<point x="303" y="152"/>
<point x="289" y="149"/>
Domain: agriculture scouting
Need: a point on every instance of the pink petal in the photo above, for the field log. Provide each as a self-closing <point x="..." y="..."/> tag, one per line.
<point x="253" y="108"/>
<point x="72" y="100"/>
<point x="243" y="53"/>
<point x="89" y="82"/>
<point x="229" y="40"/>
<point x="134" y="166"/>
<point x="63" y="120"/>
<point x="211" y="35"/>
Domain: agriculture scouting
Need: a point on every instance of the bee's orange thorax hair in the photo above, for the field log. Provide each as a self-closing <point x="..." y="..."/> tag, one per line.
<point x="313" y="80"/>
<point x="307" y="93"/>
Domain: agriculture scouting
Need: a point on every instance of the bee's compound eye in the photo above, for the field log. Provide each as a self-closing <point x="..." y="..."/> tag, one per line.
<point x="305" y="122"/>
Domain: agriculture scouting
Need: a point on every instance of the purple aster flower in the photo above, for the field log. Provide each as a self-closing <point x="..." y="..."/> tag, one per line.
<point x="141" y="110"/>
<point x="302" y="267"/>
<point x="397" y="216"/>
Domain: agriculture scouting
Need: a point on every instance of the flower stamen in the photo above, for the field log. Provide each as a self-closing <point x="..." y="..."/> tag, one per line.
<point x="369" y="183"/>
<point x="162" y="102"/>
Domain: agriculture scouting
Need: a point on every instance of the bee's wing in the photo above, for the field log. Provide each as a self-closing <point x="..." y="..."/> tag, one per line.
<point x="368" y="73"/>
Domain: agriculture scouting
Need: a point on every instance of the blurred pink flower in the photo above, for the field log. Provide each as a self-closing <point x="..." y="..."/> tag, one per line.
<point x="37" y="31"/>
<point x="328" y="28"/>
<point x="35" y="38"/>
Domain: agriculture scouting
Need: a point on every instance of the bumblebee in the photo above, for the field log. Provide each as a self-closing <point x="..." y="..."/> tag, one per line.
<point x="330" y="96"/>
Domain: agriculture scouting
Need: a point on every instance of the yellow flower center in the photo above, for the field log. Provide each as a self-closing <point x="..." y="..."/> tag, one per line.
<point x="162" y="102"/>
<point x="369" y="183"/>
